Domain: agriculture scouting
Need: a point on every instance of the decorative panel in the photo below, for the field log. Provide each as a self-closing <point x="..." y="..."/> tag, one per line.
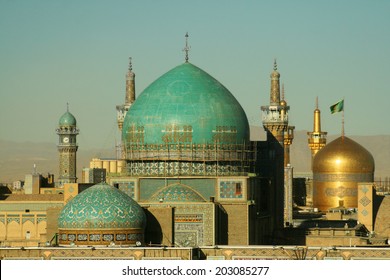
<point x="231" y="189"/>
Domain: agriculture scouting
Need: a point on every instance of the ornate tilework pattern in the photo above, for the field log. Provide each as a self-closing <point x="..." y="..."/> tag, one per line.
<point x="161" y="168"/>
<point x="354" y="177"/>
<point x="177" y="193"/>
<point x="12" y="218"/>
<point x="126" y="187"/>
<point x="204" y="186"/>
<point x="365" y="201"/>
<point x="231" y="189"/>
<point x="194" y="223"/>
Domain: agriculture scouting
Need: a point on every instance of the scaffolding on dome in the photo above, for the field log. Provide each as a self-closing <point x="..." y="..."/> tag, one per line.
<point x="190" y="159"/>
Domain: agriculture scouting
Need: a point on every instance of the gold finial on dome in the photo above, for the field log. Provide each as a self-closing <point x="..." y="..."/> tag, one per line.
<point x="186" y="48"/>
<point x="317" y="119"/>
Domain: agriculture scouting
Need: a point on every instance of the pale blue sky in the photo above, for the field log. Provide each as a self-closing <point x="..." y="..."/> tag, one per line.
<point x="54" y="52"/>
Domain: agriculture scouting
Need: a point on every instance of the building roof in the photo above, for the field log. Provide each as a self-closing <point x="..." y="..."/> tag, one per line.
<point x="102" y="207"/>
<point x="35" y="197"/>
<point x="185" y="104"/>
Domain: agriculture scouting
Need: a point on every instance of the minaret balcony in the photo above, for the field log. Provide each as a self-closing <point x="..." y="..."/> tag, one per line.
<point x="317" y="135"/>
<point x="67" y="130"/>
<point x="274" y="116"/>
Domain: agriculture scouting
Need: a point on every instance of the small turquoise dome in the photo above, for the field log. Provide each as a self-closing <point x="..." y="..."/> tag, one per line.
<point x="177" y="193"/>
<point x="102" y="207"/>
<point x="185" y="105"/>
<point x="67" y="119"/>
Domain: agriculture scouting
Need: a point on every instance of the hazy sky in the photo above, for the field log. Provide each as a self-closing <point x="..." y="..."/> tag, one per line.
<point x="54" y="52"/>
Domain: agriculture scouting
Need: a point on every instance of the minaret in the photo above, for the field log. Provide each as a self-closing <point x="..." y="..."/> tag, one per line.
<point x="122" y="110"/>
<point x="275" y="116"/>
<point x="67" y="147"/>
<point x="129" y="96"/>
<point x="288" y="133"/>
<point x="316" y="138"/>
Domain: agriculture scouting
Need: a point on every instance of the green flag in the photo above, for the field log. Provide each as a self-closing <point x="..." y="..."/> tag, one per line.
<point x="338" y="107"/>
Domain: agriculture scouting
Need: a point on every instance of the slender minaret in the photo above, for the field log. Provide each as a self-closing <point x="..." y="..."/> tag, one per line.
<point x="122" y="110"/>
<point x="275" y="116"/>
<point x="316" y="138"/>
<point x="288" y="133"/>
<point x="67" y="147"/>
<point x="129" y="96"/>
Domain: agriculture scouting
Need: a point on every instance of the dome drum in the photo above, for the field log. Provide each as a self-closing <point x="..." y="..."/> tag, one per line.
<point x="190" y="152"/>
<point x="335" y="194"/>
<point x="100" y="237"/>
<point x="182" y="168"/>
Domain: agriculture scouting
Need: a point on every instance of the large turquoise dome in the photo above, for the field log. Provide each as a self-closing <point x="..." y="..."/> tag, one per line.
<point x="186" y="105"/>
<point x="67" y="119"/>
<point x="101" y="214"/>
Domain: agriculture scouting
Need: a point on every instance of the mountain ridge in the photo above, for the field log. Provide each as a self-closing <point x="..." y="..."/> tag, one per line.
<point x="18" y="158"/>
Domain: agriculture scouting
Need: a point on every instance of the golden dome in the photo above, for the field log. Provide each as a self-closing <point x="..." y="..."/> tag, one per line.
<point x="343" y="155"/>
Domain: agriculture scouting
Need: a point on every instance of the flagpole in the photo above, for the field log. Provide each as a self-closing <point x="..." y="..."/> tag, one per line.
<point x="342" y="120"/>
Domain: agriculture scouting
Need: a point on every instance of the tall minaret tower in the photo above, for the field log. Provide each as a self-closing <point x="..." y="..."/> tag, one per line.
<point x="129" y="96"/>
<point x="275" y="116"/>
<point x="67" y="148"/>
<point x="316" y="138"/>
<point x="124" y="108"/>
<point x="288" y="133"/>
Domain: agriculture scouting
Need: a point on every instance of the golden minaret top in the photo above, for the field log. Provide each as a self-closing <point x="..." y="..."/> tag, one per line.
<point x="317" y="118"/>
<point x="275" y="86"/>
<point x="316" y="138"/>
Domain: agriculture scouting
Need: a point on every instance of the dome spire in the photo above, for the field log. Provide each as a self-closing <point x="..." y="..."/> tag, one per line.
<point x="67" y="106"/>
<point x="275" y="65"/>
<point x="186" y="48"/>
<point x="130" y="65"/>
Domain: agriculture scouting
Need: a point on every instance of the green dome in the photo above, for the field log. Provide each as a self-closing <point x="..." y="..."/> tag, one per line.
<point x="185" y="105"/>
<point x="102" y="207"/>
<point x="67" y="119"/>
<point x="177" y="193"/>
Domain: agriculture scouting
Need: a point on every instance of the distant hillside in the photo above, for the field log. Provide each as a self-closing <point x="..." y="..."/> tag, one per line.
<point x="18" y="158"/>
<point x="377" y="145"/>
